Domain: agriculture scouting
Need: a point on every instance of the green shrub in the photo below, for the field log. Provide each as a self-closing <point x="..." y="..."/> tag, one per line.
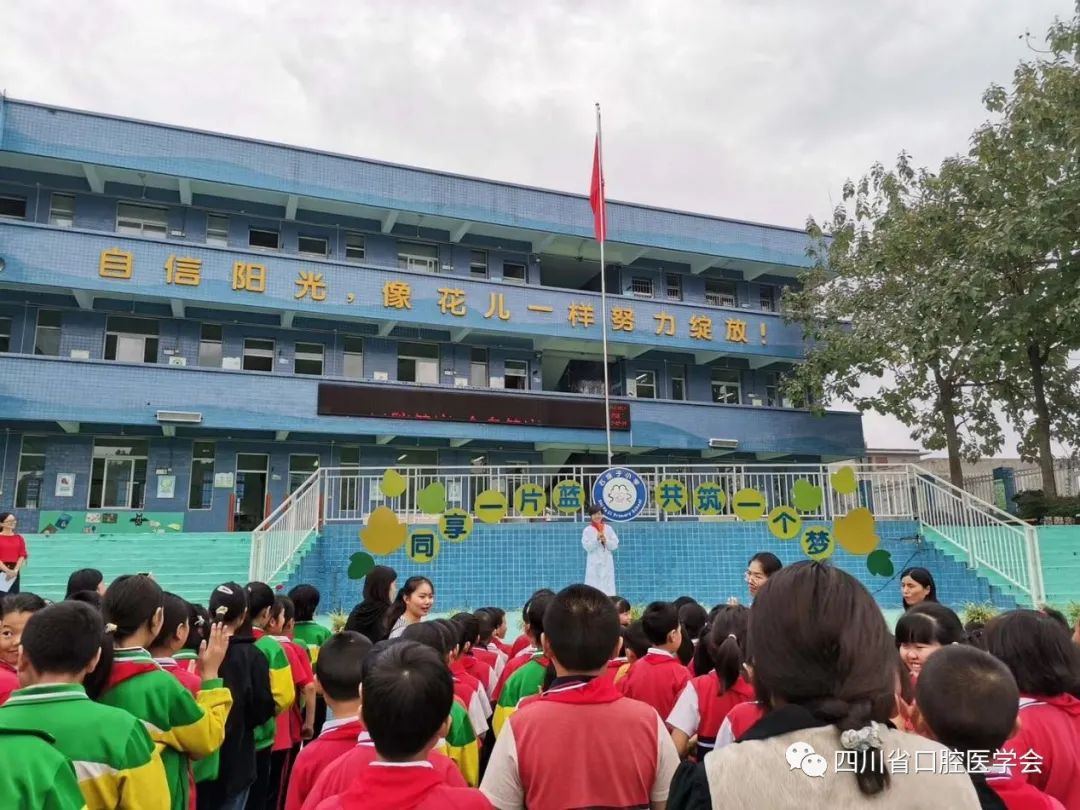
<point x="978" y="612"/>
<point x="1033" y="504"/>
<point x="337" y="620"/>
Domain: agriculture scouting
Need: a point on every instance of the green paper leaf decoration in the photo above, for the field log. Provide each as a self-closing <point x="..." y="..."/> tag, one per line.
<point x="432" y="499"/>
<point x="360" y="564"/>
<point x="879" y="563"/>
<point x="806" y="497"/>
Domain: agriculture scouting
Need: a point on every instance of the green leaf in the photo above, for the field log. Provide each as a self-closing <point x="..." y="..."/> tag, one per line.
<point x="879" y="563"/>
<point x="360" y="564"/>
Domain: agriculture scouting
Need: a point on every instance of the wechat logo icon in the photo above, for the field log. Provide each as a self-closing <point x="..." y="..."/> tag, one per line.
<point x="802" y="756"/>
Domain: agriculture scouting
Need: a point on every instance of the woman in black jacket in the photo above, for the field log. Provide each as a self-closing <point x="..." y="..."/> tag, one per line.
<point x="369" y="617"/>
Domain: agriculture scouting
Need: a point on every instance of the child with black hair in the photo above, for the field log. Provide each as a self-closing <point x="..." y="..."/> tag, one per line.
<point x="305" y="599"/>
<point x="408" y="694"/>
<point x="187" y="657"/>
<point x="485" y="649"/>
<point x="692" y="619"/>
<point x="246" y="674"/>
<point x="706" y="701"/>
<point x="525" y="644"/>
<point x="16" y="611"/>
<point x="91" y="598"/>
<point x="469" y="660"/>
<point x="498" y="639"/>
<point x="85" y="579"/>
<point x="659" y="677"/>
<point x="524" y="675"/>
<point x="188" y="727"/>
<point x="119" y="766"/>
<point x="467" y="687"/>
<point x="173" y="637"/>
<point x="968" y="701"/>
<point x="581" y="711"/>
<point x="624" y="609"/>
<point x="35" y="773"/>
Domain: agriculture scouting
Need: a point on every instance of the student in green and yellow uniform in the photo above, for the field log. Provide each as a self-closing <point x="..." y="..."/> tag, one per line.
<point x="35" y="774"/>
<point x="310" y="634"/>
<point x="528" y="679"/>
<point x="115" y="760"/>
<point x="188" y="727"/>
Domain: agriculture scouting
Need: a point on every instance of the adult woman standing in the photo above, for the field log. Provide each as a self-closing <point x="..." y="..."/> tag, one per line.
<point x="599" y="541"/>
<point x="12" y="551"/>
<point x="369" y="617"/>
<point x="917" y="585"/>
<point x="412" y="605"/>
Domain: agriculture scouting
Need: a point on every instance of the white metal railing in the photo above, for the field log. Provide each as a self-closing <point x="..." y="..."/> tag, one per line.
<point x="284" y="531"/>
<point x="1066" y="473"/>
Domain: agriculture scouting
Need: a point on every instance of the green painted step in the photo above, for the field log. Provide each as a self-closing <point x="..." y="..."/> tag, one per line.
<point x="1059" y="548"/>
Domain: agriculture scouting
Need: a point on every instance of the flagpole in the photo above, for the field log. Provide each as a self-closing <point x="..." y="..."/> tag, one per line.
<point x="603" y="285"/>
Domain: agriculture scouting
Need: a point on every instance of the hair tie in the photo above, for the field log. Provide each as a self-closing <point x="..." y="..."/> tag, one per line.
<point x="862" y="739"/>
<point x="200" y="621"/>
<point x="732" y="635"/>
<point x="110" y="628"/>
<point x="224" y="589"/>
<point x="220" y="611"/>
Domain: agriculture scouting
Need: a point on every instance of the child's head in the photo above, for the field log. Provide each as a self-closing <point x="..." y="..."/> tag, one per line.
<point x="134" y="606"/>
<point x="17" y="610"/>
<point x="635" y="644"/>
<point x="485" y="626"/>
<point x="534" y="615"/>
<point x="282" y="616"/>
<point x="917" y="586"/>
<point x="408" y="692"/>
<point x="175" y="627"/>
<point x="468" y="630"/>
<point x="61" y="642"/>
<point x="451" y="636"/>
<point x="581" y="631"/>
<point x="726" y="642"/>
<point x="967" y="700"/>
<point x="660" y="621"/>
<point x="498" y="618"/>
<point x="817" y="639"/>
<point x="91" y="598"/>
<point x="1056" y="615"/>
<point x="228" y="605"/>
<point x="596" y="514"/>
<point x="430" y="634"/>
<point x="758" y="570"/>
<point x="198" y="627"/>
<point x="924" y="630"/>
<point x="1037" y="650"/>
<point x="260" y="603"/>
<point x="305" y="599"/>
<point x="85" y="579"/>
<point x="339" y="669"/>
<point x="622" y="607"/>
<point x="693" y="619"/>
<point x="973" y="634"/>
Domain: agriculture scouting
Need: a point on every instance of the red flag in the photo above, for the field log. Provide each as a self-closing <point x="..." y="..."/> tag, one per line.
<point x="596" y="195"/>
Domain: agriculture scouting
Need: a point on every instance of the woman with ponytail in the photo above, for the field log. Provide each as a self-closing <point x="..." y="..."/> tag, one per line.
<point x="825" y="664"/>
<point x="187" y="727"/>
<point x="411" y="605"/>
<point x="707" y="699"/>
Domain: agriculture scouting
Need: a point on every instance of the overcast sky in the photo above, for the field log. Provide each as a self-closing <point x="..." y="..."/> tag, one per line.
<point x="752" y="109"/>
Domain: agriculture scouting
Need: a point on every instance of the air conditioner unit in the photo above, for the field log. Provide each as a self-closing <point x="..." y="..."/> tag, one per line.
<point x="723" y="444"/>
<point x="177" y="360"/>
<point x="179" y="417"/>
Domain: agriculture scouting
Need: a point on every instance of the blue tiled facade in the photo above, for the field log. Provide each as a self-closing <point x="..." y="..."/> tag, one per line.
<point x="502" y="565"/>
<point x="132" y="283"/>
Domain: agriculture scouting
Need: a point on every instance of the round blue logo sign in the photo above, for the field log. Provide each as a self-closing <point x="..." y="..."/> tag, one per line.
<point x="620" y="493"/>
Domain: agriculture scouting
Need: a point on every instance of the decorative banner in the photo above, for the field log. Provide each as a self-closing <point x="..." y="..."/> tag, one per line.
<point x="879" y="563"/>
<point x="423" y="546"/>
<point x="432" y="499"/>
<point x="844" y="481"/>
<point x="456" y="525"/>
<point x="110" y="522"/>
<point x="856" y="532"/>
<point x="749" y="504"/>
<point x="671" y="495"/>
<point x="785" y="523"/>
<point x="65" y="485"/>
<point x="360" y="564"/>
<point x="620" y="493"/>
<point x="568" y="496"/>
<point x="490" y="506"/>
<point x="393" y="484"/>
<point x="166" y="486"/>
<point x="530" y="500"/>
<point x="384" y="533"/>
<point x="817" y="543"/>
<point x="806" y="497"/>
<point x="709" y="498"/>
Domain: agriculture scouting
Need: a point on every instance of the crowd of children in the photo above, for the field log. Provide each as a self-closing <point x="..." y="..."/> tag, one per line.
<point x="126" y="696"/>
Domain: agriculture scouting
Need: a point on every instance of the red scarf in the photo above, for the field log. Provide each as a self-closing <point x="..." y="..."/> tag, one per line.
<point x="125" y="670"/>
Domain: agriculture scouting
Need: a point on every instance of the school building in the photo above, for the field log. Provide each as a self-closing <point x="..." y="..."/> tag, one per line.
<point x="192" y="323"/>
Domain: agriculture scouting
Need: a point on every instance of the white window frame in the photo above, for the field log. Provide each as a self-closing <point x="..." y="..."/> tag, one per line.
<point x="524" y="273"/>
<point x="729" y="298"/>
<point x="61" y="217"/>
<point x="130" y="458"/>
<point x="767" y="298"/>
<point x="346" y="354"/>
<point x="647" y="287"/>
<point x="728" y="385"/>
<point x="313" y="253"/>
<point x="137" y="221"/>
<point x="258" y="352"/>
<point x="305" y="473"/>
<point x="5" y="333"/>
<point x="673" y="283"/>
<point x="308" y="355"/>
<point x="478" y="263"/>
<point x="38" y="329"/>
<point x="201" y="462"/>
<point x="519" y="366"/>
<point x="204" y="341"/>
<point x="217" y="235"/>
<point x="131" y="336"/>
<point x="14" y="197"/>
<point x="475" y="364"/>
<point x="433" y="362"/>
<point x="275" y="231"/>
<point x="637" y="384"/>
<point x="355" y="246"/>
<point x="417" y="262"/>
<point x="21" y="471"/>
<point x="681" y="376"/>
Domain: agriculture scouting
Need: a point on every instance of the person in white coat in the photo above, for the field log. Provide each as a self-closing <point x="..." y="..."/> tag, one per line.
<point x="599" y="541"/>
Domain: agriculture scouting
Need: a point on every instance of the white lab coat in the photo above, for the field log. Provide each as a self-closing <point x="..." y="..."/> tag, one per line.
<point x="600" y="562"/>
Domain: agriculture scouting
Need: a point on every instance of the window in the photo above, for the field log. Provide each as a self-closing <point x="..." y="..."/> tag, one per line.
<point x="5" y="334"/>
<point x="418" y="362"/>
<point x="516" y="375"/>
<point x="350" y="457"/>
<point x="478" y="369"/>
<point x="13" y="207"/>
<point x="720" y="293"/>
<point x="353" y="366"/>
<point x="774" y="396"/>
<point x="131" y="340"/>
<point x="118" y="474"/>
<point x="641" y="287"/>
<point x="514" y="272"/>
<point x="217" y="230"/>
<point x="258" y="354"/>
<point x="354" y="247"/>
<point x="47" y="334"/>
<point x="201" y="492"/>
<point x="726" y="386"/>
<point x="478" y="263"/>
<point x="645" y="385"/>
<point x="673" y="287"/>
<point x="415" y="256"/>
<point x="142" y="220"/>
<point x="264" y="238"/>
<point x="312" y="246"/>
<point x="768" y="299"/>
<point x="210" y="346"/>
<point x="678" y="382"/>
<point x="31" y="473"/>
<point x="61" y="210"/>
<point x="308" y="359"/>
<point x="300" y="469"/>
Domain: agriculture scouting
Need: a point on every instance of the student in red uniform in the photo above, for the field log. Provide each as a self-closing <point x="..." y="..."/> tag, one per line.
<point x="692" y="620"/>
<point x="470" y="660"/>
<point x="338" y="673"/>
<point x="1046" y="665"/>
<point x="659" y="677"/>
<point x="13" y="552"/>
<point x="610" y="751"/>
<point x="441" y="638"/>
<point x="408" y="692"/>
<point x="624" y="609"/>
<point x="968" y="701"/>
<point x="17" y="610"/>
<point x="534" y="626"/>
<point x="498" y="639"/>
<point x="175" y="630"/>
<point x="485" y="650"/>
<point x="526" y="644"/>
<point x="706" y="701"/>
<point x="85" y="579"/>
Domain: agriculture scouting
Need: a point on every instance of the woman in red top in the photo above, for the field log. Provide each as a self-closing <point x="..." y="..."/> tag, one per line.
<point x="12" y="550"/>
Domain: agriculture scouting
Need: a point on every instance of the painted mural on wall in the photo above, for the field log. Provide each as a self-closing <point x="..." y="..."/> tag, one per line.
<point x="105" y="521"/>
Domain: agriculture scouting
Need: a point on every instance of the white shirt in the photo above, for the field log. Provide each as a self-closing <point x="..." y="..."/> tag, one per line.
<point x="600" y="560"/>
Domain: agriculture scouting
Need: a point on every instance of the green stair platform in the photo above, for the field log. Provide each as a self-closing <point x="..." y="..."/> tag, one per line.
<point x="1059" y="548"/>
